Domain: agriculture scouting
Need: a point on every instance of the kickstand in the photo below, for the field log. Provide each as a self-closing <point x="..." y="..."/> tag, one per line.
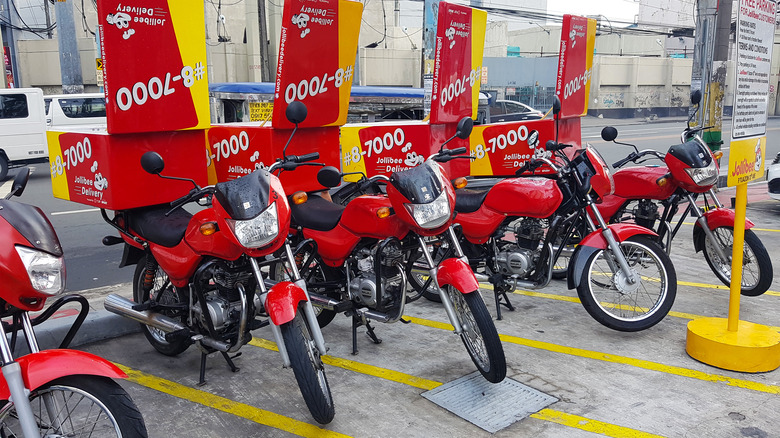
<point x="502" y="299"/>
<point x="371" y="334"/>
<point x="355" y="324"/>
<point x="202" y="380"/>
<point x="230" y="363"/>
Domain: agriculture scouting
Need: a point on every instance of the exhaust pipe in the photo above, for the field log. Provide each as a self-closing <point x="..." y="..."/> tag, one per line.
<point x="124" y="307"/>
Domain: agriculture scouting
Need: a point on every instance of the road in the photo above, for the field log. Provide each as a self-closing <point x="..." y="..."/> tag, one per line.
<point x="91" y="265"/>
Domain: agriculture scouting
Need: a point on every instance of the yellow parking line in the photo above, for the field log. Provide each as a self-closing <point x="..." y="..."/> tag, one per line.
<point x="614" y="358"/>
<point x="260" y="416"/>
<point x="551" y="415"/>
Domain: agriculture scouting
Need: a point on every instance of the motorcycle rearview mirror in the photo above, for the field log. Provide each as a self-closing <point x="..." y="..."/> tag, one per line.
<point x="296" y="113"/>
<point x="609" y="133"/>
<point x="329" y="176"/>
<point x="20" y="182"/>
<point x="696" y="97"/>
<point x="154" y="164"/>
<point x="556" y="108"/>
<point x="465" y="126"/>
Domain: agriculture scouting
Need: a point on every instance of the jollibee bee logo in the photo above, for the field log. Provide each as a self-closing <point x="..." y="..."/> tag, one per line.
<point x="757" y="165"/>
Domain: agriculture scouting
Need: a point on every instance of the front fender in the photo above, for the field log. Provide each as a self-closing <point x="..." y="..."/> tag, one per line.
<point x="45" y="366"/>
<point x="595" y="241"/>
<point x="716" y="217"/>
<point x="282" y="302"/>
<point x="457" y="273"/>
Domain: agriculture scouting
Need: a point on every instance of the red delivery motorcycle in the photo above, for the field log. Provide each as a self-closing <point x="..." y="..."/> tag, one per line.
<point x="353" y="256"/>
<point x="199" y="279"/>
<point x="688" y="176"/>
<point x="57" y="392"/>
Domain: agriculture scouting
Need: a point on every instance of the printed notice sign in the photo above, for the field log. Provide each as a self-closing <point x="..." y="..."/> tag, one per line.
<point x="755" y="38"/>
<point x="755" y="35"/>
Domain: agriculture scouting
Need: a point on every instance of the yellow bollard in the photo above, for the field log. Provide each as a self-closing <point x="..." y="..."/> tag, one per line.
<point x="730" y="343"/>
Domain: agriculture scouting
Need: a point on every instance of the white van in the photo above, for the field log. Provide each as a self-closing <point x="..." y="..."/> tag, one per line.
<point x="81" y="111"/>
<point x="22" y="128"/>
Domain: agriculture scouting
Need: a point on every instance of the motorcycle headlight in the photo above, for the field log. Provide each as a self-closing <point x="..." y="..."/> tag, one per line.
<point x="258" y="231"/>
<point x="431" y="215"/>
<point x="704" y="176"/>
<point x="47" y="272"/>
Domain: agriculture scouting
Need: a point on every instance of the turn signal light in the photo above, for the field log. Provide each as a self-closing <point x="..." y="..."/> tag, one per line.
<point x="208" y="228"/>
<point x="662" y="181"/>
<point x="299" y="198"/>
<point x="383" y="213"/>
<point x="717" y="154"/>
<point x="459" y="183"/>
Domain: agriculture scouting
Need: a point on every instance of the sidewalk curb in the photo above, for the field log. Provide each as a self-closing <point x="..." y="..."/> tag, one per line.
<point x="98" y="326"/>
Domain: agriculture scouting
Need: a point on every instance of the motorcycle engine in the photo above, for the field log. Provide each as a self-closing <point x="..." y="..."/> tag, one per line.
<point x="363" y="287"/>
<point x="646" y="213"/>
<point x="222" y="300"/>
<point x="520" y="259"/>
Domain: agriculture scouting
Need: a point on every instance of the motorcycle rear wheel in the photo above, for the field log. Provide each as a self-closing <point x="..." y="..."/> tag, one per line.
<point x="308" y="368"/>
<point x="85" y="406"/>
<point x="611" y="300"/>
<point x="169" y="295"/>
<point x="479" y="334"/>
<point x="756" y="265"/>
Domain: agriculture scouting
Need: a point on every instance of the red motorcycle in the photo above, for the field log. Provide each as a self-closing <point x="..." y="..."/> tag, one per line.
<point x="689" y="175"/>
<point x="354" y="257"/>
<point x="515" y="230"/>
<point x="56" y="392"/>
<point x="199" y="278"/>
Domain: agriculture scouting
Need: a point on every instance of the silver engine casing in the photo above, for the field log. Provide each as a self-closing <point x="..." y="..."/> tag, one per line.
<point x="219" y="310"/>
<point x="363" y="288"/>
<point x="517" y="261"/>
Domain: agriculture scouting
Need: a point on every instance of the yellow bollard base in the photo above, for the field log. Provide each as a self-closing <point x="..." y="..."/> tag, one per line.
<point x="753" y="348"/>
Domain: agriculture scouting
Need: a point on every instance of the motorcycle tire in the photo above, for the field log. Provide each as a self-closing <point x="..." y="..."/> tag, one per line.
<point x="308" y="368"/>
<point x="313" y="274"/>
<point x="757" y="270"/>
<point x="614" y="302"/>
<point x="87" y="406"/>
<point x="479" y="334"/>
<point x="155" y="336"/>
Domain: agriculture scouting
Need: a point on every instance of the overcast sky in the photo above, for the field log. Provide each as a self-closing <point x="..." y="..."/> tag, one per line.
<point x="621" y="10"/>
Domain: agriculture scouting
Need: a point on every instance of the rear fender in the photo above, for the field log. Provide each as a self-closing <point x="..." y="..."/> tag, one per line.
<point x="595" y="241"/>
<point x="131" y="256"/>
<point x="716" y="217"/>
<point x="282" y="302"/>
<point x="45" y="366"/>
<point x="457" y="273"/>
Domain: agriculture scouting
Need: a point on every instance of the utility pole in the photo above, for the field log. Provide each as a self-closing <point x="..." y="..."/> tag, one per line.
<point x="9" y="39"/>
<point x="265" y="54"/>
<point x="711" y="51"/>
<point x="70" y="59"/>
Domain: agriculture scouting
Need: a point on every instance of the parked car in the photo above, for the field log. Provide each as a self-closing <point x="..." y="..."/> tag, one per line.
<point x="81" y="111"/>
<point x="509" y="110"/>
<point x="22" y="128"/>
<point x="773" y="178"/>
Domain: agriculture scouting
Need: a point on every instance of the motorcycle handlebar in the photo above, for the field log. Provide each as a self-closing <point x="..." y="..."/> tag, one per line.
<point x="449" y="154"/>
<point x="553" y="146"/>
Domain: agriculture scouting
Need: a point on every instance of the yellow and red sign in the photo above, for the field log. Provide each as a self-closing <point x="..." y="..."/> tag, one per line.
<point x="316" y="63"/>
<point x="236" y="150"/>
<point x="746" y="160"/>
<point x="460" y="39"/>
<point x="104" y="170"/>
<point x="154" y="60"/>
<point x="575" y="65"/>
<point x="501" y="148"/>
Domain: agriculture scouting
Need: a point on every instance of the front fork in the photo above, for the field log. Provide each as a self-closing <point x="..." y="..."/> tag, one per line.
<point x="614" y="245"/>
<point x="445" y="299"/>
<point x="705" y="227"/>
<point x="311" y="317"/>
<point x="12" y="373"/>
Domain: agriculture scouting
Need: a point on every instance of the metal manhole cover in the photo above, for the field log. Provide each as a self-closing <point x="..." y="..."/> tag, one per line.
<point x="491" y="406"/>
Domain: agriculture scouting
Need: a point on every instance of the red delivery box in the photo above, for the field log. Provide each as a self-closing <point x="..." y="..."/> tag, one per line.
<point x="102" y="170"/>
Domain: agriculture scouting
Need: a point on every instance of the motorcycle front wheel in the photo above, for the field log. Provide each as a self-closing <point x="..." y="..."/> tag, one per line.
<point x="611" y="299"/>
<point x="308" y="368"/>
<point x="479" y="334"/>
<point x="78" y="406"/>
<point x="164" y="293"/>
<point x="757" y="271"/>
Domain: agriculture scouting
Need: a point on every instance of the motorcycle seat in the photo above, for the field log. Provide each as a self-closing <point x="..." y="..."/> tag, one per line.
<point x="469" y="201"/>
<point x="317" y="214"/>
<point x="152" y="224"/>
